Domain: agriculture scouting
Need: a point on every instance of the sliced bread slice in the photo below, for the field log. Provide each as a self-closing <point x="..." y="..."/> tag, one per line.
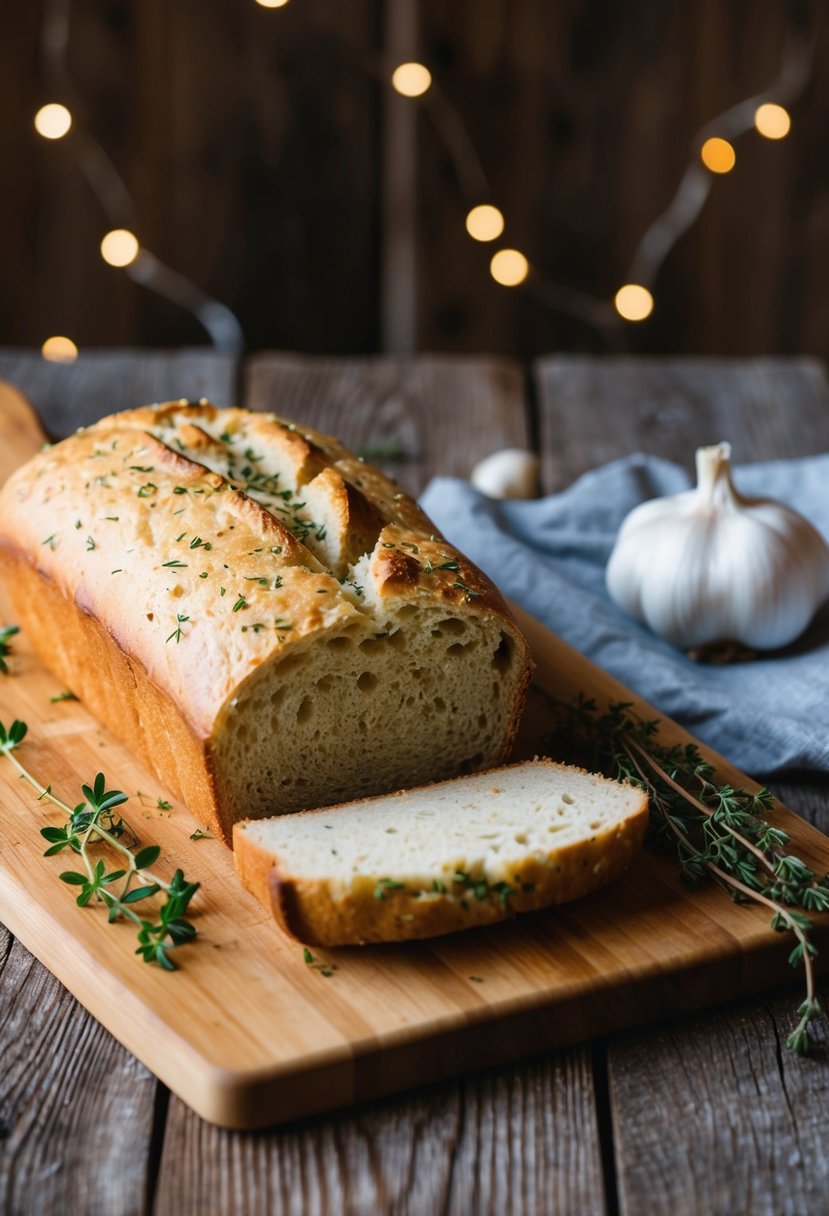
<point x="442" y="857"/>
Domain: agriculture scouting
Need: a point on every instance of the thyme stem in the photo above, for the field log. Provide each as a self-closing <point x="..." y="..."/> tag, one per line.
<point x="716" y="831"/>
<point x="689" y="797"/>
<point x="42" y="791"/>
<point x="95" y="827"/>
<point x="728" y="880"/>
<point x="94" y="821"/>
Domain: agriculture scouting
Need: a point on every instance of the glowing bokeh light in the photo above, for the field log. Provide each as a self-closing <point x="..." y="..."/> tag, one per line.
<point x="717" y="155"/>
<point x="53" y="121"/>
<point x="411" y="79"/>
<point x="509" y="267"/>
<point x="633" y="302"/>
<point x="119" y="247"/>
<point x="772" y="121"/>
<point x="59" y="350"/>
<point x="484" y="222"/>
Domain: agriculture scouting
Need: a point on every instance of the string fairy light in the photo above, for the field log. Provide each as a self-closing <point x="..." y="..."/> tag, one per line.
<point x="484" y="222"/>
<point x="712" y="154"/>
<point x="474" y="186"/>
<point x="772" y="121"/>
<point x="633" y="302"/>
<point x="695" y="184"/>
<point x="53" y="120"/>
<point x="718" y="155"/>
<point x="120" y="246"/>
<point x="411" y="79"/>
<point x="509" y="267"/>
<point x="59" y="349"/>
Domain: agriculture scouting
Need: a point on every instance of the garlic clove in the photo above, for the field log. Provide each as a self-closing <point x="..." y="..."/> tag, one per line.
<point x="710" y="565"/>
<point x="509" y="473"/>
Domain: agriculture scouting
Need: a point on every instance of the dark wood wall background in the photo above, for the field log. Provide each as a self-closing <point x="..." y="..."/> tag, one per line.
<point x="252" y="142"/>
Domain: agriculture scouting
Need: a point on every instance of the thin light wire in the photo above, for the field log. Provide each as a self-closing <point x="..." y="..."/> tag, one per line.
<point x="662" y="235"/>
<point x="451" y="128"/>
<point x="220" y="323"/>
<point x="474" y="186"/>
<point x="696" y="182"/>
<point x="657" y="242"/>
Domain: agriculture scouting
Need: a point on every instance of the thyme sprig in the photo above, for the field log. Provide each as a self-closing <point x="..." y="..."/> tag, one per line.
<point x="96" y="821"/>
<point x="715" y="830"/>
<point x="6" y="634"/>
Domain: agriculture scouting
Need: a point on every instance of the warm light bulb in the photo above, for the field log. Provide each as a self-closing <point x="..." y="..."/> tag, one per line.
<point x="772" y="121"/>
<point x="484" y="223"/>
<point x="272" y="3"/>
<point x="59" y="350"/>
<point x="509" y="267"/>
<point x="411" y="79"/>
<point x="717" y="155"/>
<point x="633" y="302"/>
<point x="53" y="121"/>
<point x="119" y="247"/>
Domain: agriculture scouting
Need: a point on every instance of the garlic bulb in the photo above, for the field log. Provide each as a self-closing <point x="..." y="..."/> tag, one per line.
<point x="510" y="473"/>
<point x="713" y="566"/>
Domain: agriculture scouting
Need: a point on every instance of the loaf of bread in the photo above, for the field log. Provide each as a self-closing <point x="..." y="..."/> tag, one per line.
<point x="266" y="620"/>
<point x="444" y="857"/>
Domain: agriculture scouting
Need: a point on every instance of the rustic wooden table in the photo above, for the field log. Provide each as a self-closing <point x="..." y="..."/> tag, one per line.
<point x="704" y="1114"/>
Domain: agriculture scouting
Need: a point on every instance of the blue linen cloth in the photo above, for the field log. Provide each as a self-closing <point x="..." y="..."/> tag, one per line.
<point x="767" y="715"/>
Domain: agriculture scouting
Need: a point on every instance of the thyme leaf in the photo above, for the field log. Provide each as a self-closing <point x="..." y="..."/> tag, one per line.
<point x="93" y="822"/>
<point x="6" y="634"/>
<point x="180" y="620"/>
<point x="715" y="831"/>
<point x="326" y="969"/>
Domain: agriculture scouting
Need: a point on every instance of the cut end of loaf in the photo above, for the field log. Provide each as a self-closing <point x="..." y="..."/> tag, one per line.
<point x="441" y="858"/>
<point x="374" y="707"/>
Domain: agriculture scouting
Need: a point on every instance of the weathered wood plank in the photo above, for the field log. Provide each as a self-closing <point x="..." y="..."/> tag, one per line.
<point x="748" y="1118"/>
<point x="518" y="1140"/>
<point x="69" y="395"/>
<point x="444" y="414"/>
<point x="809" y="798"/>
<point x="595" y="410"/>
<point x="710" y="1113"/>
<point x="76" y="1109"/>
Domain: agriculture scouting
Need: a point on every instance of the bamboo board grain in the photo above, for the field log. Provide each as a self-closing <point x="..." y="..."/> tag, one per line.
<point x="248" y="1035"/>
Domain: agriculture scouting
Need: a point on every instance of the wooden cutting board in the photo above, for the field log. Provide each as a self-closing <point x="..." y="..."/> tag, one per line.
<point x="249" y="1035"/>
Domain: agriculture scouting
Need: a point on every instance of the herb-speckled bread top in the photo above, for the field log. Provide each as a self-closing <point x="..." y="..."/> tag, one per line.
<point x="210" y="544"/>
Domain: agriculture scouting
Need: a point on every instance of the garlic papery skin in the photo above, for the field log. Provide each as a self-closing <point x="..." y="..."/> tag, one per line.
<point x="510" y="473"/>
<point x="710" y="565"/>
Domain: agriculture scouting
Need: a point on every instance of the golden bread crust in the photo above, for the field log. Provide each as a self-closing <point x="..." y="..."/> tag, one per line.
<point x="319" y="912"/>
<point x="171" y="583"/>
